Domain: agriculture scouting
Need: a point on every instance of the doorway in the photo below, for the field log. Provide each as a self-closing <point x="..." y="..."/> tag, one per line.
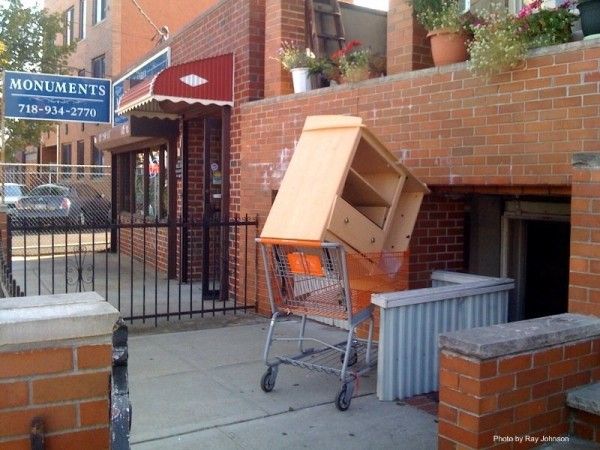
<point x="535" y="253"/>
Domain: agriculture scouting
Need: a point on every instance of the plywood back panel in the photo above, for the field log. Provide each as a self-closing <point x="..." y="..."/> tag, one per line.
<point x="313" y="180"/>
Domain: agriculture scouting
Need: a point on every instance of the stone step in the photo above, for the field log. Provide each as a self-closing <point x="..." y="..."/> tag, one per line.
<point x="585" y="398"/>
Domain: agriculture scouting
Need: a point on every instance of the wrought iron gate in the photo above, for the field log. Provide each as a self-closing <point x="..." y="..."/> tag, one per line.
<point x="149" y="270"/>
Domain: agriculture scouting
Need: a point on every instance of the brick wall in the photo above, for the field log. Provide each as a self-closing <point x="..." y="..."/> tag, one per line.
<point x="285" y="21"/>
<point x="514" y="132"/>
<point x="437" y="242"/>
<point x="584" y="280"/>
<point x="407" y="46"/>
<point x="515" y="395"/>
<point x="67" y="386"/>
<point x="585" y="425"/>
<point x="56" y="365"/>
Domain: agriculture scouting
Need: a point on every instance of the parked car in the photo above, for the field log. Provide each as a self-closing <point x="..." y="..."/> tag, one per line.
<point x="76" y="204"/>
<point x="12" y="193"/>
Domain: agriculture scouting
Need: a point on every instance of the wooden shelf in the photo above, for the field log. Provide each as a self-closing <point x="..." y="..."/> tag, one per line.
<point x="359" y="192"/>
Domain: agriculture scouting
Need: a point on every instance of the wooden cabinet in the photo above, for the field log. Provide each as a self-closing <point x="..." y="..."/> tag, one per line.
<point x="343" y="184"/>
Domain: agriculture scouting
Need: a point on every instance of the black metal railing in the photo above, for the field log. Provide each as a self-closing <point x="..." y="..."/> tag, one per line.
<point x="149" y="270"/>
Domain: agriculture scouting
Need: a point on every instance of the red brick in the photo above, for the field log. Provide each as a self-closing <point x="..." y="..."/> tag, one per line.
<point x="514" y="363"/>
<point x="94" y="356"/>
<point x="579" y="349"/>
<point x="35" y="362"/>
<point x="71" y="387"/>
<point x="546" y="419"/>
<point x="97" y="439"/>
<point x="18" y="444"/>
<point x="449" y="379"/>
<point x="546" y="388"/>
<point x="56" y="418"/>
<point x="446" y="444"/>
<point x="530" y="409"/>
<point x="562" y="368"/>
<point x="94" y="413"/>
<point x="514" y="397"/>
<point x="13" y="394"/>
<point x="532" y="376"/>
<point x="447" y="413"/>
<point x="468" y="367"/>
<point x="467" y="402"/>
<point x="546" y="357"/>
<point x="496" y="385"/>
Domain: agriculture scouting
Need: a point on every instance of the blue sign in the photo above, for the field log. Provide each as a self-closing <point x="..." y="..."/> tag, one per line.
<point x="148" y="68"/>
<point x="38" y="96"/>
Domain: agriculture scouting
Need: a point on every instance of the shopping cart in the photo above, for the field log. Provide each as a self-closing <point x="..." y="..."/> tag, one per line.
<point x="322" y="280"/>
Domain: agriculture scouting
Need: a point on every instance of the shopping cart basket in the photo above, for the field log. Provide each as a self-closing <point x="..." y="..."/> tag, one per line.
<point x="318" y="279"/>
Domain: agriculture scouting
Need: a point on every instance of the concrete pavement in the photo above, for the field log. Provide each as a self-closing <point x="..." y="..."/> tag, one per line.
<point x="200" y="390"/>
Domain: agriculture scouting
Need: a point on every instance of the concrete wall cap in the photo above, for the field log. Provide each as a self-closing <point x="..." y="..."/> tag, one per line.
<point x="518" y="337"/>
<point x="28" y="320"/>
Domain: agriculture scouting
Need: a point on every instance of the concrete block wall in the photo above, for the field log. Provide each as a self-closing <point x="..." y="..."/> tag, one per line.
<point x="505" y="386"/>
<point x="55" y="363"/>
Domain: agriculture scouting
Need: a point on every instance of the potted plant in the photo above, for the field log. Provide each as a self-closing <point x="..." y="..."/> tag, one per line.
<point x="446" y="24"/>
<point x="297" y="60"/>
<point x="353" y="62"/>
<point x="501" y="40"/>
<point x="546" y="26"/>
<point x="498" y="42"/>
<point x="589" y="12"/>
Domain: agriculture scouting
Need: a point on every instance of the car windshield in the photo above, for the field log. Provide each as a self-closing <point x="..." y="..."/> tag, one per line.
<point x="50" y="190"/>
<point x="12" y="191"/>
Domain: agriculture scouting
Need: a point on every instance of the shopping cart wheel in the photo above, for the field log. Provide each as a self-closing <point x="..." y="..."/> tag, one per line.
<point x="352" y="359"/>
<point x="267" y="381"/>
<point x="344" y="396"/>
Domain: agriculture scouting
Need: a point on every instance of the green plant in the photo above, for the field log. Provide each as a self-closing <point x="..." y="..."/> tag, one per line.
<point x="320" y="66"/>
<point x="353" y="62"/>
<point x="447" y="15"/>
<point x="292" y="56"/>
<point x="543" y="26"/>
<point x="498" y="43"/>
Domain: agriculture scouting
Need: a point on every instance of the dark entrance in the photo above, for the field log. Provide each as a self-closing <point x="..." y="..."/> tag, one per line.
<point x="547" y="280"/>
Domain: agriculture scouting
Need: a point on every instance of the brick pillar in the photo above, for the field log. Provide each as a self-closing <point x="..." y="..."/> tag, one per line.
<point x="505" y="386"/>
<point x="55" y="363"/>
<point x="285" y="21"/>
<point x="407" y="46"/>
<point x="584" y="276"/>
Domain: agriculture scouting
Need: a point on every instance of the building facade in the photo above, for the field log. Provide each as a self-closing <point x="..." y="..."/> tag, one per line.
<point x="111" y="36"/>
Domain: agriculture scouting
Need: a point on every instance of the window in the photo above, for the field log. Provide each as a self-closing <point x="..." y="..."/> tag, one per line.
<point x="98" y="67"/>
<point x="97" y="157"/>
<point x="66" y="158"/>
<point x="99" y="11"/>
<point x="69" y="26"/>
<point x="82" y="19"/>
<point x="144" y="182"/>
<point x="80" y="158"/>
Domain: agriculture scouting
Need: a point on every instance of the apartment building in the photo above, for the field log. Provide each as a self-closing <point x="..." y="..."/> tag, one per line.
<point x="111" y="35"/>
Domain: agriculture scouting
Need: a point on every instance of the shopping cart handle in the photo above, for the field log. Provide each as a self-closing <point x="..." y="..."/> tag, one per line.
<point x="294" y="242"/>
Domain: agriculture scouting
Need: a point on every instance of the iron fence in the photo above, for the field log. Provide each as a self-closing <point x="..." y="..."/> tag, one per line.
<point x="149" y="270"/>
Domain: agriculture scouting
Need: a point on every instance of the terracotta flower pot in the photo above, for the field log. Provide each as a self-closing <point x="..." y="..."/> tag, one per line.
<point x="448" y="47"/>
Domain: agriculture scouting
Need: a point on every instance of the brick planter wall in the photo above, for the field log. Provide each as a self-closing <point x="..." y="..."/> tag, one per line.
<point x="59" y="371"/>
<point x="506" y="384"/>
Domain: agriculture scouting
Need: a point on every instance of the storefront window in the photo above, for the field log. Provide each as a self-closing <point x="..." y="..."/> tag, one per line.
<point x="148" y="195"/>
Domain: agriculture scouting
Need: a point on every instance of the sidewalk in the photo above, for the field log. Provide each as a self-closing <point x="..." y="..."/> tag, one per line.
<point x="200" y="389"/>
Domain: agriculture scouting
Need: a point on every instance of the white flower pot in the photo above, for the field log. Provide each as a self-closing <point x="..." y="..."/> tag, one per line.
<point x="301" y="79"/>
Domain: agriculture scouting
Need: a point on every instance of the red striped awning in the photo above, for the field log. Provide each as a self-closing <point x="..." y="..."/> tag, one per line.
<point x="207" y="81"/>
